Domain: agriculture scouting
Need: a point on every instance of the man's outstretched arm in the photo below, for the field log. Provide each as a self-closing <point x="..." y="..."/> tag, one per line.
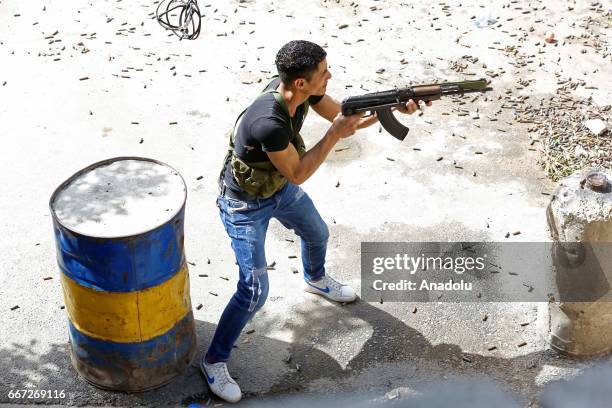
<point x="296" y="169"/>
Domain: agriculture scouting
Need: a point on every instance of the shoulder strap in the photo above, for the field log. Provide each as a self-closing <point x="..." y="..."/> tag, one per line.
<point x="265" y="91"/>
<point x="281" y="101"/>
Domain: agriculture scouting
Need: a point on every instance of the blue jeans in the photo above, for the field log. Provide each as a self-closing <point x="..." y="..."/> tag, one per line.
<point x="246" y="222"/>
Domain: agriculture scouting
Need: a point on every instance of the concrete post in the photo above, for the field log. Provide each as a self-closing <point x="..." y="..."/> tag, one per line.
<point x="581" y="211"/>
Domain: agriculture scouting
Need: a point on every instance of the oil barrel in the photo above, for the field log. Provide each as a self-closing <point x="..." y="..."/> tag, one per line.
<point x="119" y="233"/>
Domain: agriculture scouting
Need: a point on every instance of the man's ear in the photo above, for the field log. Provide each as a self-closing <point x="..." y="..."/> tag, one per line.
<point x="299" y="83"/>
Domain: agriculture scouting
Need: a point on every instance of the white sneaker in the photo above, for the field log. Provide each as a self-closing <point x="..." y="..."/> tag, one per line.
<point x="331" y="289"/>
<point x="220" y="382"/>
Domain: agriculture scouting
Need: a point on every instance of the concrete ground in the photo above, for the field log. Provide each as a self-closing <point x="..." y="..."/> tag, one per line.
<point x="82" y="83"/>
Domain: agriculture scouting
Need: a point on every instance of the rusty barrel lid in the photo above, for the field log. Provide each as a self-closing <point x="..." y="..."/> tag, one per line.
<point x="119" y="197"/>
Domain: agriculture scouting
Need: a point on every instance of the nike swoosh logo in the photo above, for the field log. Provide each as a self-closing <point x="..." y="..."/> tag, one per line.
<point x="211" y="380"/>
<point x="326" y="290"/>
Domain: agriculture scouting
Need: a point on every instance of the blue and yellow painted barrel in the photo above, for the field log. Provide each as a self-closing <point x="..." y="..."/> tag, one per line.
<point x="127" y="297"/>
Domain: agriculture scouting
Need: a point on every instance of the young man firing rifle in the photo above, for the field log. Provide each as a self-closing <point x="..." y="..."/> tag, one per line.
<point x="265" y="164"/>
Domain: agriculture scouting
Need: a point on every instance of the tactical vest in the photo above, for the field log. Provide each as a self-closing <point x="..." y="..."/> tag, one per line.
<point x="262" y="179"/>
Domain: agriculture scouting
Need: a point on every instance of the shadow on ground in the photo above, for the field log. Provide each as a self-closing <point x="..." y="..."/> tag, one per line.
<point x="391" y="341"/>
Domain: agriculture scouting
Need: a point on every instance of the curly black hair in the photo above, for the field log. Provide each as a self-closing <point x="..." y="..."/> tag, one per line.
<point x="298" y="59"/>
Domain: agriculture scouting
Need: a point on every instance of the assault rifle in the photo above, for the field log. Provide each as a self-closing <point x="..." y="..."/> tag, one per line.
<point x="382" y="102"/>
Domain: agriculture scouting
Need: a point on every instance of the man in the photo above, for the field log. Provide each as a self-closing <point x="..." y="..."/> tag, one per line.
<point x="266" y="163"/>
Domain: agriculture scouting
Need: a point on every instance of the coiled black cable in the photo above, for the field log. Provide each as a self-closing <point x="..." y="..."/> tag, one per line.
<point x="185" y="22"/>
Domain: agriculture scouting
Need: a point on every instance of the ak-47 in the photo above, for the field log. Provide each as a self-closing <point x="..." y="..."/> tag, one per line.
<point x="382" y="102"/>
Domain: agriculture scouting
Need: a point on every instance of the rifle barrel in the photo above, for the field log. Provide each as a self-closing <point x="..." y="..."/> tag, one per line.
<point x="464" y="85"/>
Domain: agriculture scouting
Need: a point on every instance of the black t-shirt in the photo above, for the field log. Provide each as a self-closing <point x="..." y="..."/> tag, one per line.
<point x="264" y="127"/>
